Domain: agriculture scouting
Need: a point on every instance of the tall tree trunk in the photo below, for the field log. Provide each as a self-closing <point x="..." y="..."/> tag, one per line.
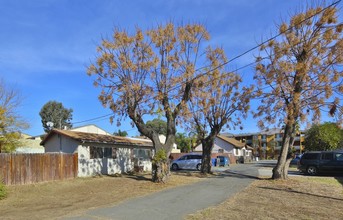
<point x="160" y="164"/>
<point x="289" y="154"/>
<point x="207" y="145"/>
<point x="280" y="171"/>
<point x="160" y="171"/>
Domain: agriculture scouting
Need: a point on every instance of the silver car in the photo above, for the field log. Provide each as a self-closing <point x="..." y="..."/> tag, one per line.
<point x="188" y="161"/>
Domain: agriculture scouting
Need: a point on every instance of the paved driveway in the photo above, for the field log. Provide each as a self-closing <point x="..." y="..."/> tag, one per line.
<point x="177" y="202"/>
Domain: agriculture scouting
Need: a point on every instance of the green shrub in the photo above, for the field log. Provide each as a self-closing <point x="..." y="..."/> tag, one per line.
<point x="160" y="156"/>
<point x="3" y="192"/>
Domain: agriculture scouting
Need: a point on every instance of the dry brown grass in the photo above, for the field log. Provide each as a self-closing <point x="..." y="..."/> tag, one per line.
<point x="54" y="199"/>
<point x="297" y="198"/>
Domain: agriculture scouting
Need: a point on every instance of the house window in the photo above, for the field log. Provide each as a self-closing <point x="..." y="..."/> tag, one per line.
<point x="236" y="152"/>
<point x="96" y="152"/>
<point x="110" y="152"/>
<point x="220" y="150"/>
<point x="114" y="153"/>
<point x="99" y="152"/>
<point x="142" y="153"/>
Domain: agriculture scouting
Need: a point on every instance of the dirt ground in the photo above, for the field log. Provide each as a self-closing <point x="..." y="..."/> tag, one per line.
<point x="296" y="198"/>
<point x="55" y="199"/>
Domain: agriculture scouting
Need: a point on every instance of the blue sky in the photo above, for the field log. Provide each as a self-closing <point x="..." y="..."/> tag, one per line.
<point x="46" y="45"/>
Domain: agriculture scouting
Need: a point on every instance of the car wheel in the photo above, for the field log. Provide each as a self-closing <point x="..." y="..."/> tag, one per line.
<point x="311" y="170"/>
<point x="174" y="166"/>
<point x="199" y="166"/>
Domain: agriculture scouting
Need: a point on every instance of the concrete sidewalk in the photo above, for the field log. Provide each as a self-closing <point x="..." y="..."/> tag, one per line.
<point x="178" y="202"/>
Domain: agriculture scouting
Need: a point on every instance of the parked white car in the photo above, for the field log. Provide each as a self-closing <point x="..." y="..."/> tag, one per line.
<point x="188" y="161"/>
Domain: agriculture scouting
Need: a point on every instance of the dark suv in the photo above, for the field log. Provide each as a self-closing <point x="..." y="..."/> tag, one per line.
<point x="315" y="162"/>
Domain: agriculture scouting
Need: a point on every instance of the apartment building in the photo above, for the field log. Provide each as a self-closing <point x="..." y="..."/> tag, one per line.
<point x="267" y="144"/>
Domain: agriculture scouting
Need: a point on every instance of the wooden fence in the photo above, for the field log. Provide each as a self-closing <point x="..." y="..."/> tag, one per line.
<point x="16" y="169"/>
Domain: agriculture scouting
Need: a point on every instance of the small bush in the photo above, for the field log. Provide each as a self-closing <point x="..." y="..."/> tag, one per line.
<point x="3" y="192"/>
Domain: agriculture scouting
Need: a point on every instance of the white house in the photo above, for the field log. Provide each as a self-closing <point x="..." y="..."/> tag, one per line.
<point x="90" y="129"/>
<point x="101" y="153"/>
<point x="163" y="140"/>
<point x="226" y="145"/>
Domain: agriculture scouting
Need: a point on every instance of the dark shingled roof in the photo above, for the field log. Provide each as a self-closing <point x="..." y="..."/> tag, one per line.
<point x="85" y="137"/>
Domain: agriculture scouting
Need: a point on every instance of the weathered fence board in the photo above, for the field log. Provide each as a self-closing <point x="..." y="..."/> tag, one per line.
<point x="16" y="169"/>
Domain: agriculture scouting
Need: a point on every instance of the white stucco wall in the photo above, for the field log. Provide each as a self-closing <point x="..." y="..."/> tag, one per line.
<point x="163" y="140"/>
<point x="123" y="163"/>
<point x="219" y="144"/>
<point x="89" y="167"/>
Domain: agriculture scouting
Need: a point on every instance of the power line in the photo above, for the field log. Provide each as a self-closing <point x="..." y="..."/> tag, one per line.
<point x="230" y="60"/>
<point x="93" y="119"/>
<point x="258" y="46"/>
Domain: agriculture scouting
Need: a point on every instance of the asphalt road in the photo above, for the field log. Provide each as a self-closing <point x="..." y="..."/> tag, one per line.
<point x="180" y="201"/>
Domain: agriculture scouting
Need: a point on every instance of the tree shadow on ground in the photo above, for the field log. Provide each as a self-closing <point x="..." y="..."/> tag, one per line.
<point x="265" y="164"/>
<point x="229" y="173"/>
<point x="220" y="174"/>
<point x="140" y="178"/>
<point x="339" y="179"/>
<point x="133" y="176"/>
<point x="298" y="192"/>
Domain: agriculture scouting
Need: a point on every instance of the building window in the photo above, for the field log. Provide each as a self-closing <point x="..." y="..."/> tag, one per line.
<point x="221" y="151"/>
<point x="107" y="152"/>
<point x="110" y="152"/>
<point x="96" y="152"/>
<point x="142" y="153"/>
<point x="114" y="153"/>
<point x="236" y="152"/>
<point x="99" y="152"/>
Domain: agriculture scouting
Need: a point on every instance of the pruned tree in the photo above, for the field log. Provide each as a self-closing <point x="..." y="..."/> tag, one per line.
<point x="59" y="116"/>
<point x="151" y="73"/>
<point x="183" y="142"/>
<point x="11" y="123"/>
<point x="327" y="136"/>
<point x="299" y="75"/>
<point x="158" y="125"/>
<point x="221" y="102"/>
<point x="120" y="133"/>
